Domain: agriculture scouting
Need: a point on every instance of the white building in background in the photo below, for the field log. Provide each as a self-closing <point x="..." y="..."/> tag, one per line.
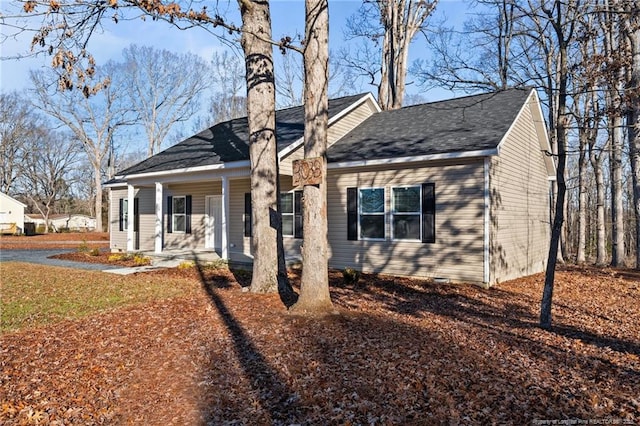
<point x="61" y="222"/>
<point x="11" y="215"/>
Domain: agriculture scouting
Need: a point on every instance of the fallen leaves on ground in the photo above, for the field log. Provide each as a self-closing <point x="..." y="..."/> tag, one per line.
<point x="400" y="351"/>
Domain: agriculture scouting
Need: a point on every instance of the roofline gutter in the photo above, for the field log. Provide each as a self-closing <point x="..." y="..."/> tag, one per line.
<point x="414" y="159"/>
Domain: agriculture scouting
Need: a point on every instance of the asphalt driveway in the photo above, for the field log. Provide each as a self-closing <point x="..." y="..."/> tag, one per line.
<point x="42" y="257"/>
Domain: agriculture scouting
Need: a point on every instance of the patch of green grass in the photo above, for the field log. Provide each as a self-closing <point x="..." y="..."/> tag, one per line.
<point x="35" y="295"/>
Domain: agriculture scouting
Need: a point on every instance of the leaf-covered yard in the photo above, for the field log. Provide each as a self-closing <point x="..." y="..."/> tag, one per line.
<point x="398" y="352"/>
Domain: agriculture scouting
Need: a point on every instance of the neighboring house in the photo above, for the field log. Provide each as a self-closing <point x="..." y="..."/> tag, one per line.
<point x="62" y="222"/>
<point x="11" y="215"/>
<point x="457" y="189"/>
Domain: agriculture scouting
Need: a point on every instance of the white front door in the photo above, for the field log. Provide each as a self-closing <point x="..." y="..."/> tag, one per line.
<point x="213" y="222"/>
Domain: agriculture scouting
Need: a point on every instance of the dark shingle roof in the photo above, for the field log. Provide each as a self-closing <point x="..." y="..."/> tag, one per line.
<point x="464" y="124"/>
<point x="229" y="141"/>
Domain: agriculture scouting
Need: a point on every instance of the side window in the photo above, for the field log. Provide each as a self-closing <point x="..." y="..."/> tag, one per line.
<point x="179" y="214"/>
<point x="123" y="216"/>
<point x="406" y="210"/>
<point x="371" y="215"/>
<point x="291" y="209"/>
<point x="286" y="207"/>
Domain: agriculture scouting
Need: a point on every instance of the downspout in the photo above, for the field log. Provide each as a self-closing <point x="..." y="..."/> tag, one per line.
<point x="487" y="223"/>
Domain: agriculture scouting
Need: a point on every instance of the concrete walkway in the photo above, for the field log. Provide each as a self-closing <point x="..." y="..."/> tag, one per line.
<point x="41" y="256"/>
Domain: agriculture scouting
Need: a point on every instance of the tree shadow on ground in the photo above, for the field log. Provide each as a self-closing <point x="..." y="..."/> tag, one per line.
<point x="434" y="355"/>
<point x="268" y="389"/>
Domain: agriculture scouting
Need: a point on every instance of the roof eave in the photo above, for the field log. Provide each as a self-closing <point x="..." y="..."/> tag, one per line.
<point x="163" y="173"/>
<point x="414" y="159"/>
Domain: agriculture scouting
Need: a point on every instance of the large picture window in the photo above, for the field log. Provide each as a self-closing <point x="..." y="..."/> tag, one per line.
<point x="405" y="215"/>
<point x="371" y="213"/>
<point x="412" y="213"/>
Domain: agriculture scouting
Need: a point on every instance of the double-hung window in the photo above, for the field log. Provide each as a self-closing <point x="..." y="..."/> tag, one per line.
<point x="179" y="214"/>
<point x="406" y="205"/>
<point x="124" y="214"/>
<point x="291" y="210"/>
<point x="371" y="213"/>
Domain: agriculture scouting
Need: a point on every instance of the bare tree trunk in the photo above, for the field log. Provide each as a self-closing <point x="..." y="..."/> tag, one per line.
<point x="98" y="201"/>
<point x="256" y="27"/>
<point x="582" y="201"/>
<point x="314" y="286"/>
<point x="617" y="208"/>
<point x="563" y="33"/>
<point x="601" y="235"/>
<point x="632" y="31"/>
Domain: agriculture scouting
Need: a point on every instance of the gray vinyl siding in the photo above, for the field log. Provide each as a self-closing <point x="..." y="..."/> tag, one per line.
<point x="144" y="237"/>
<point x="198" y="192"/>
<point x="519" y="189"/>
<point x="336" y="131"/>
<point x="238" y="244"/>
<point x="457" y="253"/>
<point x="118" y="238"/>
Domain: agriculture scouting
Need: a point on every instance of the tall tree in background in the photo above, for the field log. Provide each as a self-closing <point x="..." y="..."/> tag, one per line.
<point x="631" y="32"/>
<point x="18" y="125"/>
<point x="163" y="88"/>
<point x="228" y="82"/>
<point x="482" y="57"/>
<point x="314" y="285"/>
<point x="615" y="66"/>
<point x="400" y="21"/>
<point x="92" y="120"/>
<point x="46" y="170"/>
<point x="560" y="17"/>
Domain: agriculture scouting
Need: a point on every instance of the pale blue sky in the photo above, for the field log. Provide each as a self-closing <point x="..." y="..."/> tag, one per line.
<point x="287" y="17"/>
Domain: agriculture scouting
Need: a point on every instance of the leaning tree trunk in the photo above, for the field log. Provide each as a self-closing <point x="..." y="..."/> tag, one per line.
<point x="558" y="217"/>
<point x="256" y="30"/>
<point x="314" y="284"/>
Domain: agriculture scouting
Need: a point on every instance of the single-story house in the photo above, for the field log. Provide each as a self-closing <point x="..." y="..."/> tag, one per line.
<point x="64" y="221"/>
<point x="456" y="189"/>
<point x="11" y="215"/>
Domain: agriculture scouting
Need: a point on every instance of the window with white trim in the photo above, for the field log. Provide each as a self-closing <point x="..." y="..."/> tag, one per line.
<point x="406" y="211"/>
<point x="179" y="214"/>
<point x="124" y="214"/>
<point x="371" y="213"/>
<point x="412" y="213"/>
<point x="291" y="210"/>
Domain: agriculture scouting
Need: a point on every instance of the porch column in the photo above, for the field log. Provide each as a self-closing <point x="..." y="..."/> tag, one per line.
<point x="225" y="214"/>
<point x="130" y="216"/>
<point x="158" y="228"/>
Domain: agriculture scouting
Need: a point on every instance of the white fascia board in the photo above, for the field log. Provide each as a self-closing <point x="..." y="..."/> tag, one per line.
<point x="164" y="173"/>
<point x="414" y="159"/>
<point x="295" y="145"/>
